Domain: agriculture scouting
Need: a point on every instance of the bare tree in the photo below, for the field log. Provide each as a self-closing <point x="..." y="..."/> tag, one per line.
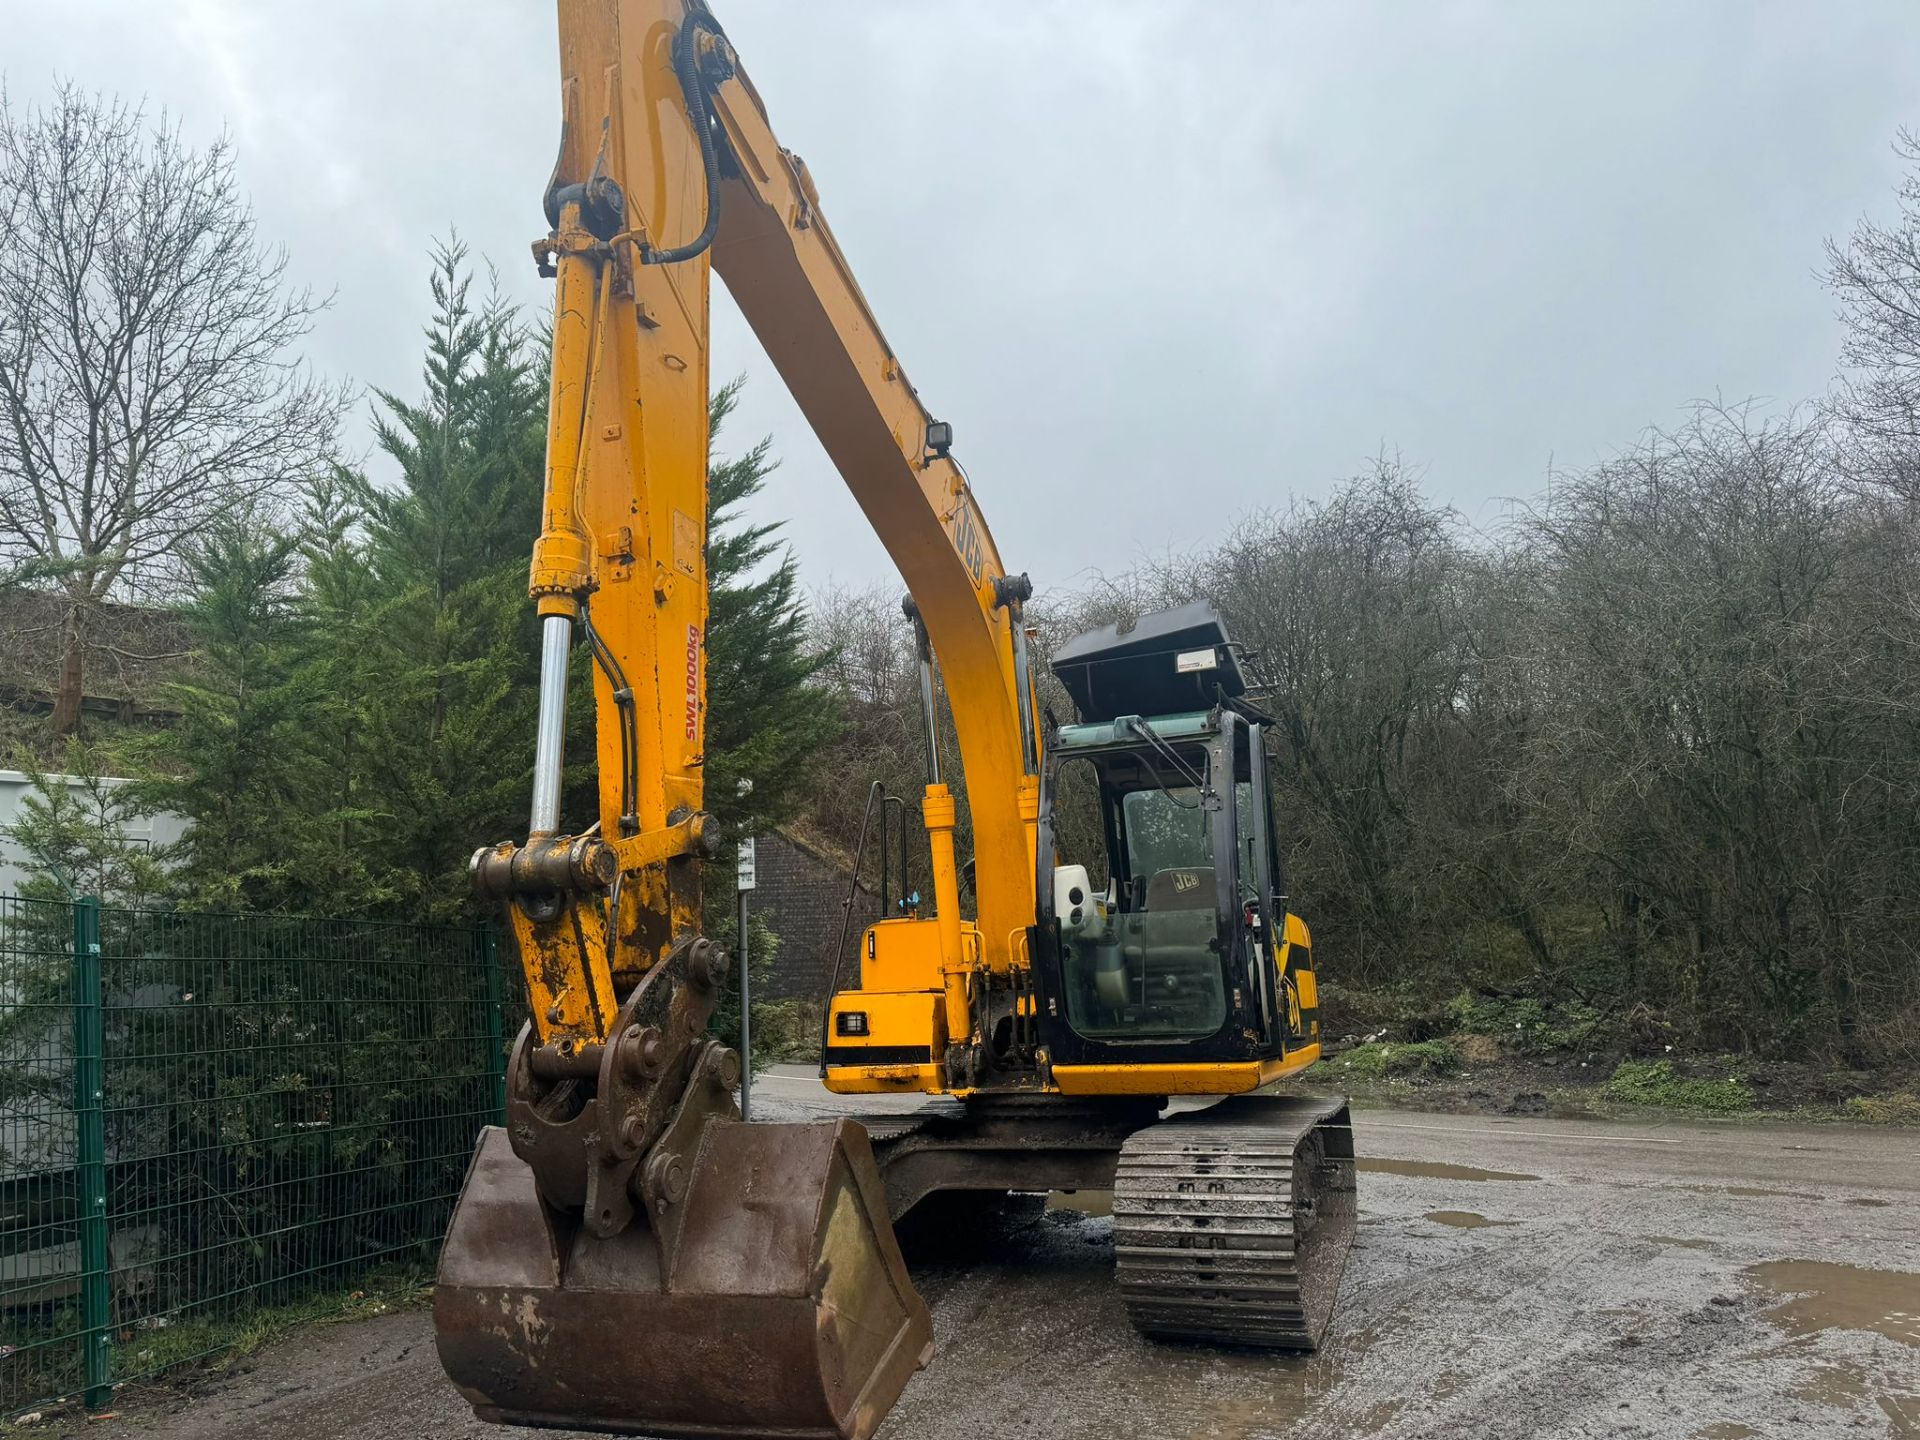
<point x="1355" y="609"/>
<point x="870" y="662"/>
<point x="148" y="386"/>
<point x="1875" y="276"/>
<point x="1725" y="753"/>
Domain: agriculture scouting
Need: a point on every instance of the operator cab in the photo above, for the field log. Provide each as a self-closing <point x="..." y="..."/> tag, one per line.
<point x="1162" y="933"/>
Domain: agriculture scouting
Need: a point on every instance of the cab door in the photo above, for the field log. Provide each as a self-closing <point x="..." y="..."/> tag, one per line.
<point x="1264" y="905"/>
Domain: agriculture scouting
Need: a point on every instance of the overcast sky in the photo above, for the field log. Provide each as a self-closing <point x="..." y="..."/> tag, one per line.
<point x="1159" y="263"/>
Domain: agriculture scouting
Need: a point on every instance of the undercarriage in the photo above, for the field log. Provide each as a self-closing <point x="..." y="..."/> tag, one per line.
<point x="1231" y="1222"/>
<point x="1231" y="1225"/>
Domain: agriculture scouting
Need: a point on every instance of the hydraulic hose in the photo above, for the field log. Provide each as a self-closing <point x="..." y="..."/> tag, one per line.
<point x="629" y="733"/>
<point x="693" y="85"/>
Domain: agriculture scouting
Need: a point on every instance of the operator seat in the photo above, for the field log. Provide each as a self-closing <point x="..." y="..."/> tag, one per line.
<point x="1187" y="887"/>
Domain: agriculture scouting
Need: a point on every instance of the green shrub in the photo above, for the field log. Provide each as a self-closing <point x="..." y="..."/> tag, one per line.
<point x="1654" y="1082"/>
<point x="1347" y="1010"/>
<point x="1375" y="1062"/>
<point x="786" y="1032"/>
<point x="1526" y="1024"/>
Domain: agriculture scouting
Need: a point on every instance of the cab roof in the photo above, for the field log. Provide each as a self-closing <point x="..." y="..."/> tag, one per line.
<point x="1168" y="662"/>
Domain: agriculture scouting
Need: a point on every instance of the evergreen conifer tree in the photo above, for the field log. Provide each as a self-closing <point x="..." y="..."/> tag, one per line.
<point x="422" y="590"/>
<point x="768" y="715"/>
<point x="72" y="828"/>
<point x="365" y="714"/>
<point x="238" y="762"/>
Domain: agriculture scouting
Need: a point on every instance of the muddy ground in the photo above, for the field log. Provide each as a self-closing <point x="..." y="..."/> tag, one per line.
<point x="1513" y="1276"/>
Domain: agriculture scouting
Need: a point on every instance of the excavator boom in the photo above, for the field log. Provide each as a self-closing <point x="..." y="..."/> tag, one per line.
<point x="667" y="171"/>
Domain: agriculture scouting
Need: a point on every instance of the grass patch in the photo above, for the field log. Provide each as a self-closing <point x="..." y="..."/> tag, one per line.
<point x="1382" y="1061"/>
<point x="1900" y="1108"/>
<point x="145" y="1352"/>
<point x="1654" y="1082"/>
<point x="148" y="1350"/>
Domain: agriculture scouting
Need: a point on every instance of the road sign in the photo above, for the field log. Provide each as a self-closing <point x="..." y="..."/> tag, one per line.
<point x="744" y="877"/>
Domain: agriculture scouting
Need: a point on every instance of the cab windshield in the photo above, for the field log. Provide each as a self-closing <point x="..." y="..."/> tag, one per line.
<point x="1145" y="962"/>
<point x="1166" y="830"/>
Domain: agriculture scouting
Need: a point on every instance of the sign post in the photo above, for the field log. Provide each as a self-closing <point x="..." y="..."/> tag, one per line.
<point x="744" y="881"/>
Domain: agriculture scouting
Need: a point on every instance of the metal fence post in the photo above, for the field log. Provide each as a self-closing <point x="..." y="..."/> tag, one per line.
<point x="746" y="1018"/>
<point x="90" y="1170"/>
<point x="496" y="1040"/>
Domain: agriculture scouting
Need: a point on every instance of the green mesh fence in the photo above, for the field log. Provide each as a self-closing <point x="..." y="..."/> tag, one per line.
<point x="201" y="1115"/>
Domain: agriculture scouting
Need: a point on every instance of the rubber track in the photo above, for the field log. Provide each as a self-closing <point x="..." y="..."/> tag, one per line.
<point x="1209" y="1242"/>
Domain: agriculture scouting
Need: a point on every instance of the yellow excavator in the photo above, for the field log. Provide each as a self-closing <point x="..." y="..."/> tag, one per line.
<point x="627" y="1254"/>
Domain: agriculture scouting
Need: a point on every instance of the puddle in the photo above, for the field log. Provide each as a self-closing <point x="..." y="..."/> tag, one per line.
<point x="1822" y="1296"/>
<point x="1436" y="1170"/>
<point x="1725" y="1430"/>
<point x="1838" y="1385"/>
<point x="1463" y="1219"/>
<point x="1904" y="1412"/>
<point x="1082" y="1202"/>
<point x="1683" y="1244"/>
<point x="1357" y="1343"/>
<point x="1376" y="1418"/>
<point x="1749" y="1192"/>
<point x="1448" y="1385"/>
<point x="1865" y="1200"/>
<point x="1846" y="1387"/>
<point x="1283" y="1393"/>
<point x="1236" y="1419"/>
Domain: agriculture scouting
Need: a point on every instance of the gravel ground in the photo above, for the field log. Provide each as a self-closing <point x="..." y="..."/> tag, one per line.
<point x="1512" y="1277"/>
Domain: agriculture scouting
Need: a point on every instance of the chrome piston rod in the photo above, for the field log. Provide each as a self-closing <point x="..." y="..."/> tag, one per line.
<point x="929" y="714"/>
<point x="549" y="747"/>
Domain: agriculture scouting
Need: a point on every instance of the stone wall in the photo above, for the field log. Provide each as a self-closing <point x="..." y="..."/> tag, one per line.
<point x="801" y="893"/>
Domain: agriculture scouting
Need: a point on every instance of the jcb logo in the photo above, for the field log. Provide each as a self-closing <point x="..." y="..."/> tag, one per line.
<point x="967" y="540"/>
<point x="1184" y="880"/>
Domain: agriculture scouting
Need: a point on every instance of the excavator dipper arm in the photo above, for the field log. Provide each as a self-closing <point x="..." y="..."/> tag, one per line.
<point x="668" y="169"/>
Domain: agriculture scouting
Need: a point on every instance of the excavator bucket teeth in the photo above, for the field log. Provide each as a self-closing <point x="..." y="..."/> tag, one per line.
<point x="783" y="1307"/>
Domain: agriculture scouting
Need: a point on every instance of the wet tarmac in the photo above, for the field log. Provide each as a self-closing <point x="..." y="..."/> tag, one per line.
<point x="1434" y="1170"/>
<point x="1574" y="1279"/>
